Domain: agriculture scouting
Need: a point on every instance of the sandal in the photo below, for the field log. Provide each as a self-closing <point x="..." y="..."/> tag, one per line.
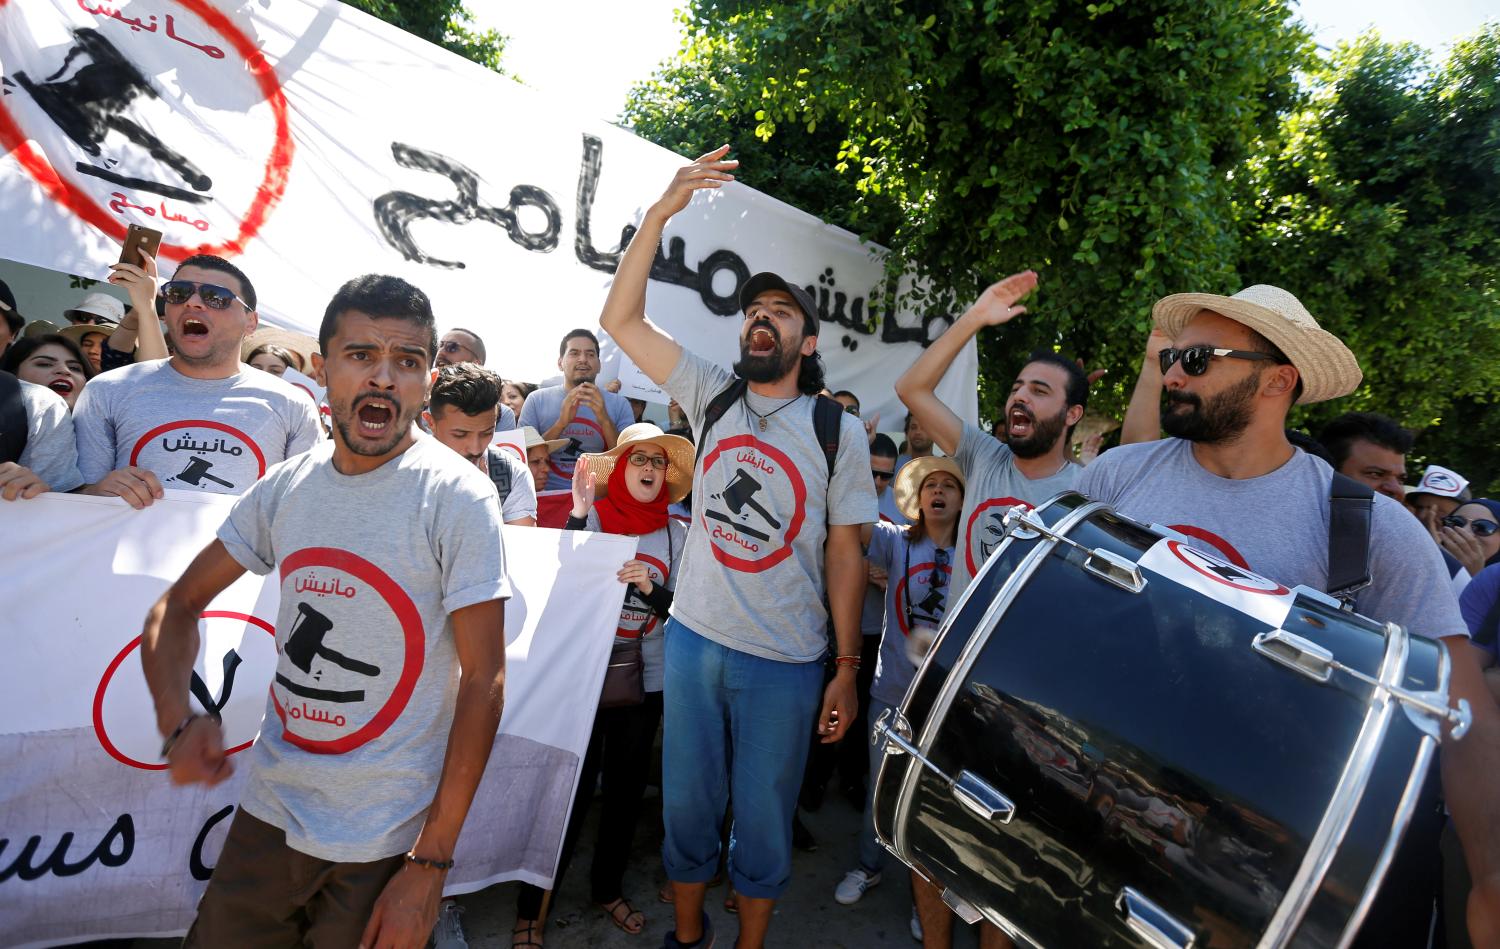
<point x="527" y="928"/>
<point x="612" y="910"/>
<point x="732" y="902"/>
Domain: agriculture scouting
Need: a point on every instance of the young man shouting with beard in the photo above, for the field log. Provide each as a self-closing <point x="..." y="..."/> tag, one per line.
<point x="1228" y="478"/>
<point x="1046" y="400"/>
<point x="748" y="631"/>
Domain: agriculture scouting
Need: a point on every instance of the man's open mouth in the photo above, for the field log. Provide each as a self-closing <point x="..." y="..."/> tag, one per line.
<point x="192" y="327"/>
<point x="1021" y="422"/>
<point x="762" y="341"/>
<point x="375" y="416"/>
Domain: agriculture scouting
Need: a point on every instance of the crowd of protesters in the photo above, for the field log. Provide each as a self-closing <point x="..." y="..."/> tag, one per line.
<point x="761" y="655"/>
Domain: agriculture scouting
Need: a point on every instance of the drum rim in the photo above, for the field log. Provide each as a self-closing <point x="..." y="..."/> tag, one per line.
<point x="1347" y="796"/>
<point x="1405" y="809"/>
<point x="965" y="660"/>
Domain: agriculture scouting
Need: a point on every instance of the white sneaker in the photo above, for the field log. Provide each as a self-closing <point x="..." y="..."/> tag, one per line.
<point x="449" y="932"/>
<point x="854" y="884"/>
<point x="916" y="925"/>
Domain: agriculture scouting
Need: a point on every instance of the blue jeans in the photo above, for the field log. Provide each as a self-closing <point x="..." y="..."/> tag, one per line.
<point x="734" y="727"/>
<point x="871" y="854"/>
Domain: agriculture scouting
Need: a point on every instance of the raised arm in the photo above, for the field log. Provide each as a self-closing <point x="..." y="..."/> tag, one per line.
<point x="624" y="316"/>
<point x="139" y="331"/>
<point x="1143" y="415"/>
<point x="917" y="387"/>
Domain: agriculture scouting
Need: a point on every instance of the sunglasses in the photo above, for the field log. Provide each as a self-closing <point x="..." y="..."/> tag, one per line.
<point x="640" y="459"/>
<point x="882" y="475"/>
<point x="1480" y="528"/>
<point x="452" y="347"/>
<point x="215" y="297"/>
<point x="1195" y="359"/>
<point x="939" y="576"/>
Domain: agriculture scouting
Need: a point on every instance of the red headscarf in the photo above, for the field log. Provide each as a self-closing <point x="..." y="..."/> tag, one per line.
<point x="620" y="513"/>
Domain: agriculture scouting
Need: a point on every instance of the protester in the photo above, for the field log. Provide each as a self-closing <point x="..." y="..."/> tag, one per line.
<point x="53" y="361"/>
<point x="513" y="396"/>
<point x="883" y="468"/>
<point x="97" y="309"/>
<point x="13" y="321"/>
<point x="1470" y="535"/>
<point x="91" y="340"/>
<point x="292" y="350"/>
<point x="37" y="449"/>
<point x="268" y="357"/>
<point x="140" y="336"/>
<point x="1370" y="448"/>
<point x="1437" y="495"/>
<point x="1232" y="368"/>
<point x="199" y="420"/>
<point x="919" y="556"/>
<point x="460" y="345"/>
<point x="623" y="491"/>
<point x="328" y="807"/>
<point x="918" y="443"/>
<point x="462" y="406"/>
<point x="578" y="410"/>
<point x="749" y="629"/>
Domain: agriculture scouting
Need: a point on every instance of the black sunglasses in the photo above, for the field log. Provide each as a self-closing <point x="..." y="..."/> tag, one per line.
<point x="884" y="475"/>
<point x="1195" y="359"/>
<point x="215" y="297"/>
<point x="1480" y="528"/>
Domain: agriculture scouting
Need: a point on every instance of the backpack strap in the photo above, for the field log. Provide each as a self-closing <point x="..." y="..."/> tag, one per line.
<point x="13" y="423"/>
<point x="717" y="406"/>
<point x="828" y="420"/>
<point x="1349" y="508"/>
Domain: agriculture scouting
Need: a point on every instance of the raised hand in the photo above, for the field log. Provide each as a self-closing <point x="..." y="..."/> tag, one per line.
<point x="996" y="305"/>
<point x="139" y="283"/>
<point x="1155" y="343"/>
<point x="710" y="171"/>
<point x="583" y="487"/>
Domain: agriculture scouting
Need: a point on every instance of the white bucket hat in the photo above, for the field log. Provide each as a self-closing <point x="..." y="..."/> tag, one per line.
<point x="1327" y="367"/>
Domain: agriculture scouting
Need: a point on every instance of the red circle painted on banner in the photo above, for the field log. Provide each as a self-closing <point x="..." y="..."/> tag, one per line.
<point x="974" y="519"/>
<point x="412" y="632"/>
<point x="799" y="505"/>
<point x="260" y="458"/>
<point x="267" y="195"/>
<point x="103" y="735"/>
<point x="901" y="590"/>
<point x="1191" y="556"/>
<point x="653" y="619"/>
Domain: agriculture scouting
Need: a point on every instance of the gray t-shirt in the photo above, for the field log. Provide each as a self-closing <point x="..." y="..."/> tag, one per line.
<point x="505" y="421"/>
<point x="661" y="552"/>
<point x="521" y="500"/>
<point x="992" y="486"/>
<point x="371" y="566"/>
<point x="916" y="595"/>
<point x="51" y="452"/>
<point x="753" y="577"/>
<point x="1276" y="525"/>
<point x="542" y="410"/>
<point x="214" y="435"/>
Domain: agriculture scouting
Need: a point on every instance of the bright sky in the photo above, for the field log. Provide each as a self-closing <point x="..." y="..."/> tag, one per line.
<point x="586" y="54"/>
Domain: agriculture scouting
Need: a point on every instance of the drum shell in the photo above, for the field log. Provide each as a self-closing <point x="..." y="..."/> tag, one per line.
<point x="1145" y="745"/>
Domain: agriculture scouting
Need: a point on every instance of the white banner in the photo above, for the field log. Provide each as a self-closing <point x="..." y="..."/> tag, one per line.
<point x="94" y="839"/>
<point x="313" y="143"/>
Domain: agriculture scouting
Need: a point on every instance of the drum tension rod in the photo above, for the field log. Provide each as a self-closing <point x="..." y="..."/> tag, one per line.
<point x="970" y="789"/>
<point x="1104" y="564"/>
<point x="1317" y="663"/>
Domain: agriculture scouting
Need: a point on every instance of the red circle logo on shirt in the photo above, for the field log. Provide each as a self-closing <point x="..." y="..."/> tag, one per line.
<point x="932" y="601"/>
<point x="987" y="522"/>
<point x="200" y="453"/>
<point x="637" y="619"/>
<point x="332" y="692"/>
<point x="584" y="435"/>
<point x="746" y="527"/>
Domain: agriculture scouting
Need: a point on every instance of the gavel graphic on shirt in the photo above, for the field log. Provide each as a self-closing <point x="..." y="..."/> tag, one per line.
<point x="739" y="494"/>
<point x="305" y="643"/>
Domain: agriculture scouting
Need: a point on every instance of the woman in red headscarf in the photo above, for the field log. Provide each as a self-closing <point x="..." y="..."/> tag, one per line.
<point x="623" y="491"/>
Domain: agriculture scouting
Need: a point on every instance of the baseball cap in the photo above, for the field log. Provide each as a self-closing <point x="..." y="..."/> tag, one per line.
<point x="1443" y="483"/>
<point x="765" y="280"/>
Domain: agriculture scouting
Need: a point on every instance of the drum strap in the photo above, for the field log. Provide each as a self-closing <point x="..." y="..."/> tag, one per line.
<point x="1349" y="507"/>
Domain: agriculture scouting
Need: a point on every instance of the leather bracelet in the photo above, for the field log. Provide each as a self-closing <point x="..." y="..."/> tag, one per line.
<point x="166" y="746"/>
<point x="850" y="661"/>
<point x="411" y="857"/>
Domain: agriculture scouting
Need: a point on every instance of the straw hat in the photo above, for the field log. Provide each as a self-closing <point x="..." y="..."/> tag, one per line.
<point x="1327" y="367"/>
<point x="302" y="346"/>
<point x="77" y="331"/>
<point x="39" y="328"/>
<point x="909" y="482"/>
<point x="534" y="438"/>
<point x="681" y="459"/>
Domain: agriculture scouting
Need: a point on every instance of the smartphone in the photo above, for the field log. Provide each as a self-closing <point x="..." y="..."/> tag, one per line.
<point x="139" y="240"/>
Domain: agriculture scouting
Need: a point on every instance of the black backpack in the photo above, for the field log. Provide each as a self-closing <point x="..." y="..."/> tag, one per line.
<point x="828" y="416"/>
<point x="13" y="423"/>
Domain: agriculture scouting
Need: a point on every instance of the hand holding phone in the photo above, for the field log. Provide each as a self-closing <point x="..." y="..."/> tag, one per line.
<point x="139" y="240"/>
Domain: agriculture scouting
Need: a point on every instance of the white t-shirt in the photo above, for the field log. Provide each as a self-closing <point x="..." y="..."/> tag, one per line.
<point x="51" y="451"/>
<point x="371" y="567"/>
<point x="214" y="435"/>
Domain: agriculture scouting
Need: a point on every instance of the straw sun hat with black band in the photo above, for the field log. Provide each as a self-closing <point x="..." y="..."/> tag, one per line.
<point x="908" y="485"/>
<point x="1327" y="367"/>
<point x="681" y="459"/>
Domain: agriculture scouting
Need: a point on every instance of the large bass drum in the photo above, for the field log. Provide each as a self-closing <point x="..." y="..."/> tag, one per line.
<point x="1119" y="740"/>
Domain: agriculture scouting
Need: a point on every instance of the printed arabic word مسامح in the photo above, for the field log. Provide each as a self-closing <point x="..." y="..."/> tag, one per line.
<point x="315" y="715"/>
<point x="120" y="203"/>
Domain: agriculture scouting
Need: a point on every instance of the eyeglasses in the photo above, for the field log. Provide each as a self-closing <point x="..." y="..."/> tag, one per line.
<point x="1480" y="528"/>
<point x="882" y="475"/>
<point x="215" y="297"/>
<point x="1195" y="359"/>
<point x="640" y="459"/>
<point x="452" y="347"/>
<point x="939" y="576"/>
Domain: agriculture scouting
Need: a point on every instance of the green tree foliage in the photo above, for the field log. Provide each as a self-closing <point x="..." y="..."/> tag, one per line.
<point x="1094" y="142"/>
<point x="1380" y="208"/>
<point x="448" y="23"/>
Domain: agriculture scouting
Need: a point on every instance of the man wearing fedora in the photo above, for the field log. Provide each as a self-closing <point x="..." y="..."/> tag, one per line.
<point x="776" y="525"/>
<point x="200" y="420"/>
<point x="1233" y="367"/>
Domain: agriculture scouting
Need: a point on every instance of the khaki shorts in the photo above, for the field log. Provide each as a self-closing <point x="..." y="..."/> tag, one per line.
<point x="265" y="894"/>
